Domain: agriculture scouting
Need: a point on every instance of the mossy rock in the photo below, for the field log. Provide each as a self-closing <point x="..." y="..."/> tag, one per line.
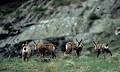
<point x="93" y="16"/>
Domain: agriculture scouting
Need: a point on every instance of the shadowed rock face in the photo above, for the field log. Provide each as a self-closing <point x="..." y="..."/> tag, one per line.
<point x="48" y="22"/>
<point x="9" y="6"/>
<point x="2" y="2"/>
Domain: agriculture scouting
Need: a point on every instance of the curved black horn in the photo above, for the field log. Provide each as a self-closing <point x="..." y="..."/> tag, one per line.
<point x="80" y="40"/>
<point x="34" y="42"/>
<point x="94" y="42"/>
<point x="77" y="40"/>
<point x="26" y="42"/>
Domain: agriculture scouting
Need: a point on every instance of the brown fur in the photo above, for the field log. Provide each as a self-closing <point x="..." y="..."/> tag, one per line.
<point x="70" y="46"/>
<point x="102" y="48"/>
<point x="41" y="48"/>
<point x="26" y="53"/>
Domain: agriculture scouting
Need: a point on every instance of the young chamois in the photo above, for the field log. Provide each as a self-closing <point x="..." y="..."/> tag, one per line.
<point x="41" y="48"/>
<point x="70" y="46"/>
<point x="101" y="48"/>
<point x="26" y="51"/>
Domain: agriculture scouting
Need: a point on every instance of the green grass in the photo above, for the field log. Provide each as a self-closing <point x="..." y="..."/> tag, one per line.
<point x="60" y="64"/>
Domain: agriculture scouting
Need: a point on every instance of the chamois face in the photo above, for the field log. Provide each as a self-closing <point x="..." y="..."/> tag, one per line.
<point x="36" y="45"/>
<point x="24" y="47"/>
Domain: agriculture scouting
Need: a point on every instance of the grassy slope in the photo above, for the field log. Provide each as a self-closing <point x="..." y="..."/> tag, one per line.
<point x="59" y="64"/>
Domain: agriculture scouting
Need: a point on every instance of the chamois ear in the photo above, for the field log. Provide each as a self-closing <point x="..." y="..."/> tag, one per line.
<point x="26" y="43"/>
<point x="77" y="40"/>
<point x="34" y="42"/>
<point x="98" y="42"/>
<point x="94" y="43"/>
<point x="106" y="45"/>
<point x="80" y="41"/>
<point x="23" y="45"/>
<point x="39" y="41"/>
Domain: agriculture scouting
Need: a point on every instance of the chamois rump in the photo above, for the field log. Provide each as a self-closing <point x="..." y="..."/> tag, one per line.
<point x="41" y="48"/>
<point x="101" y="48"/>
<point x="70" y="46"/>
<point x="26" y="51"/>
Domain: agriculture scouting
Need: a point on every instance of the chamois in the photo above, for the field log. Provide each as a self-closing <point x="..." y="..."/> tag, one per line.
<point x="74" y="46"/>
<point x="26" y="51"/>
<point x="101" y="48"/>
<point x="41" y="48"/>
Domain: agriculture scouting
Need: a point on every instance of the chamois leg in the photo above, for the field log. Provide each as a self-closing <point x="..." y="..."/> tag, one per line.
<point x="104" y="53"/>
<point x="98" y="53"/>
<point x="70" y="51"/>
<point x="111" y="55"/>
<point x="67" y="52"/>
<point x="108" y="51"/>
<point x="28" y="56"/>
<point x="23" y="58"/>
<point x="53" y="54"/>
<point x="43" y="53"/>
<point x="77" y="53"/>
<point x="40" y="53"/>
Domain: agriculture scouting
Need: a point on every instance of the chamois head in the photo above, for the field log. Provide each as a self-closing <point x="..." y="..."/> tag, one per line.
<point x="24" y="45"/>
<point x="95" y="44"/>
<point x="36" y="44"/>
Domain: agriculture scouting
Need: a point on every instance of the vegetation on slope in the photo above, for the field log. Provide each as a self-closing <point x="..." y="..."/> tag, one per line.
<point x="59" y="64"/>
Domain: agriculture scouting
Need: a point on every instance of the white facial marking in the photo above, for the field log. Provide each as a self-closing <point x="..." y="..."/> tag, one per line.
<point x="80" y="45"/>
<point x="53" y="48"/>
<point x="66" y="47"/>
<point x="25" y="50"/>
<point x="106" y="47"/>
<point x="95" y="47"/>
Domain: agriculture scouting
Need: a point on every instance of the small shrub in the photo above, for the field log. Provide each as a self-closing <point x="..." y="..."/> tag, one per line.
<point x="70" y="63"/>
<point x="19" y="12"/>
<point x="93" y="16"/>
<point x="39" y="9"/>
<point x="52" y="67"/>
<point x="58" y="2"/>
<point x="1" y="18"/>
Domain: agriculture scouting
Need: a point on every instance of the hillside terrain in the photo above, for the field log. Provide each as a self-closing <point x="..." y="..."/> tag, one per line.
<point x="57" y="22"/>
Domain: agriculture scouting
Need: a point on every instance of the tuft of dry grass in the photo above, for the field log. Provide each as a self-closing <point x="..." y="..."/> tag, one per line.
<point x="52" y="67"/>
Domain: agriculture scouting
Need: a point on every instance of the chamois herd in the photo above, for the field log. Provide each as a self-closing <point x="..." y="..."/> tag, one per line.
<point x="70" y="46"/>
